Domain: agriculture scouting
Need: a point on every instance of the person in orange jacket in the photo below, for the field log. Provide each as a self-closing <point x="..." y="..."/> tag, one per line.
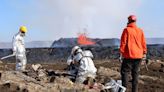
<point x="132" y="49"/>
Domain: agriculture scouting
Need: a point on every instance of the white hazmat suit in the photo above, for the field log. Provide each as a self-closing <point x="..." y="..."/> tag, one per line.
<point x="86" y="66"/>
<point x="19" y="51"/>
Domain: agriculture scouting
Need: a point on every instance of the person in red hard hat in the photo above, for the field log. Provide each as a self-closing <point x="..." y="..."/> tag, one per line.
<point x="132" y="49"/>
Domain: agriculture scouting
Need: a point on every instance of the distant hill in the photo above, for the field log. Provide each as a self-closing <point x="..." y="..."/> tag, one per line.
<point x="64" y="42"/>
<point x="155" y="40"/>
<point x="69" y="42"/>
<point x="33" y="44"/>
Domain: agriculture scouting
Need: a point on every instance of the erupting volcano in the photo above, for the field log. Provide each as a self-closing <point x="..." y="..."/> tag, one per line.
<point x="84" y="40"/>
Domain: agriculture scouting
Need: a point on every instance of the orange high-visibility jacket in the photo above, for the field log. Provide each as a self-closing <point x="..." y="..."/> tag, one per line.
<point x="133" y="43"/>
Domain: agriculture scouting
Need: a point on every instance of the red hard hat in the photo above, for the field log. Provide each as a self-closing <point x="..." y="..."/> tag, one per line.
<point x="132" y="17"/>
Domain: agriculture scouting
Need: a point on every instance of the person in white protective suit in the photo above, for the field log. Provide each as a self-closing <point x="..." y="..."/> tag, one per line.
<point x="19" y="49"/>
<point x="86" y="67"/>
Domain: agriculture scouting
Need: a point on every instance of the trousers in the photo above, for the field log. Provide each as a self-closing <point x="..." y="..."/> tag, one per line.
<point x="130" y="65"/>
<point x="21" y="62"/>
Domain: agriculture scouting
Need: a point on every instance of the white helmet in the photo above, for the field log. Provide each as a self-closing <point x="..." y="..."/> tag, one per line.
<point x="76" y="48"/>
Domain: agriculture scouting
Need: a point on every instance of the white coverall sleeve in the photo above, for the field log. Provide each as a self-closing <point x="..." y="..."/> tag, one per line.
<point x="69" y="60"/>
<point x="14" y="47"/>
<point x="83" y="65"/>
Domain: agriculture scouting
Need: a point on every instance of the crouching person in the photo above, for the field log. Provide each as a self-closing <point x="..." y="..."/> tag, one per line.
<point x="85" y="66"/>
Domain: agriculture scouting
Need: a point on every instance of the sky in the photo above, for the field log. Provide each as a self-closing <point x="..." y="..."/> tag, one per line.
<point x="49" y="20"/>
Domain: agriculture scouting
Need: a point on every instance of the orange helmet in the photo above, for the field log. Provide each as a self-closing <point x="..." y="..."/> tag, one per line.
<point x="132" y="18"/>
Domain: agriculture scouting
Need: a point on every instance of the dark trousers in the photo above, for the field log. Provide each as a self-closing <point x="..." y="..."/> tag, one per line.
<point x="130" y="65"/>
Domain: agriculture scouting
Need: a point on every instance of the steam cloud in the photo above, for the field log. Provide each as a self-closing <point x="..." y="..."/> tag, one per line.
<point x="65" y="18"/>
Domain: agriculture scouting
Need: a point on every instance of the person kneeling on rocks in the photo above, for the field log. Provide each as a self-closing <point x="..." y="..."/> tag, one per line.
<point x="85" y="66"/>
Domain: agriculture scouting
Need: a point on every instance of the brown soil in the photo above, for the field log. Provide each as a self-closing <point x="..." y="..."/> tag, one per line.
<point x="149" y="81"/>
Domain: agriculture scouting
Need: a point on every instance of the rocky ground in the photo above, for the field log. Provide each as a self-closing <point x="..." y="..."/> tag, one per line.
<point x="151" y="80"/>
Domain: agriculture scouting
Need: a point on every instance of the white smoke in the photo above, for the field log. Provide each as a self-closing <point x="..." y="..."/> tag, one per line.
<point x="65" y="18"/>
